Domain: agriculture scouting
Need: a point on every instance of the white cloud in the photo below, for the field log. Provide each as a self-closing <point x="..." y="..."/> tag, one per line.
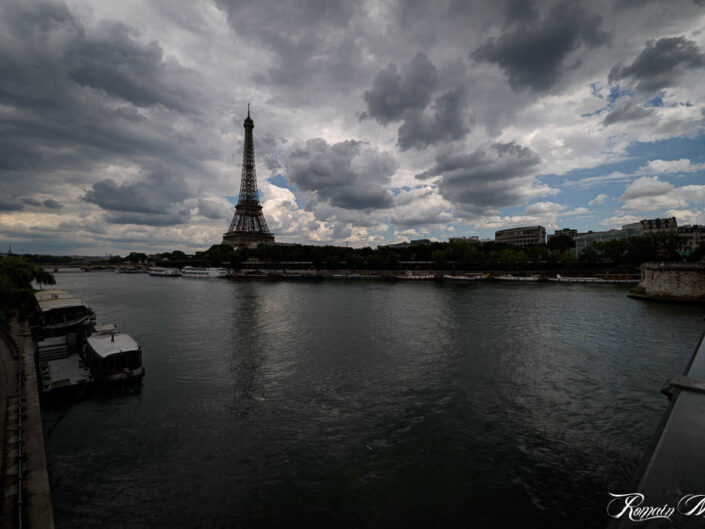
<point x="539" y="213"/>
<point x="684" y="165"/>
<point x="648" y="193"/>
<point x="619" y="220"/>
<point x="687" y="216"/>
<point x="577" y="211"/>
<point x="420" y="206"/>
<point x="646" y="186"/>
<point x="652" y="167"/>
<point x="599" y="199"/>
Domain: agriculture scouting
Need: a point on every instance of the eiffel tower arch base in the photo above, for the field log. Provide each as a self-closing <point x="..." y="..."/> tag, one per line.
<point x="246" y="239"/>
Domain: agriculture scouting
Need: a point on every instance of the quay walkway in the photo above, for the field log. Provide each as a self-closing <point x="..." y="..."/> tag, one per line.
<point x="672" y="472"/>
<point x="26" y="499"/>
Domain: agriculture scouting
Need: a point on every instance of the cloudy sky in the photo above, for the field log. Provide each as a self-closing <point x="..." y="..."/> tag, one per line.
<point x="375" y="121"/>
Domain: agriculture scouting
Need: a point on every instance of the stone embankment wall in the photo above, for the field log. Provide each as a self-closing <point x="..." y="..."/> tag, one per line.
<point x="672" y="281"/>
<point x="23" y="467"/>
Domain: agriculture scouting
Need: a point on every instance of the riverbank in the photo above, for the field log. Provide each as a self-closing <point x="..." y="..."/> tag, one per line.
<point x="26" y="491"/>
<point x="684" y="282"/>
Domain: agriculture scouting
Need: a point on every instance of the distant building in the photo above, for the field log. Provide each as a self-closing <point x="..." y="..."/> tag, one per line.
<point x="693" y="236"/>
<point x="523" y="236"/>
<point x="632" y="226"/>
<point x="471" y="238"/>
<point x="565" y="231"/>
<point x="416" y="242"/>
<point x="657" y="225"/>
<point x="584" y="240"/>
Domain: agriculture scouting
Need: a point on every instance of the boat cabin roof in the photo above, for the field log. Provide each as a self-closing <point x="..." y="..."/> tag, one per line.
<point x="51" y="294"/>
<point x="105" y="345"/>
<point x="102" y="328"/>
<point x="45" y="305"/>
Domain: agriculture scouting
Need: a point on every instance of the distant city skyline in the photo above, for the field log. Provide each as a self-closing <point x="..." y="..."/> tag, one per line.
<point x="377" y="122"/>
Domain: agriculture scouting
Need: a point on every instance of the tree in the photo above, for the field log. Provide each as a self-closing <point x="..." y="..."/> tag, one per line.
<point x="561" y="243"/>
<point x="16" y="277"/>
<point x="137" y="257"/>
<point x="590" y="254"/>
<point x="219" y="254"/>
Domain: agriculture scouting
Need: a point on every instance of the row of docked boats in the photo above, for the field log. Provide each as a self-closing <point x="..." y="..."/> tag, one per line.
<point x="206" y="273"/>
<point x="194" y="272"/>
<point x="72" y="350"/>
<point x="597" y="279"/>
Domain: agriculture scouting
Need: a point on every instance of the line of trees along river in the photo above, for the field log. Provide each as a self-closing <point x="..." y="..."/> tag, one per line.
<point x="462" y="255"/>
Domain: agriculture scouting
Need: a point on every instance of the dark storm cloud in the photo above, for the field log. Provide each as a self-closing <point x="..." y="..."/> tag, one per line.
<point x="151" y="219"/>
<point x="77" y="95"/>
<point x="630" y="4"/>
<point x="213" y="210"/>
<point x="10" y="204"/>
<point x="533" y="54"/>
<point x="52" y="204"/>
<point x="308" y="38"/>
<point x="520" y="11"/>
<point x="112" y="61"/>
<point x="485" y="179"/>
<point x="31" y="202"/>
<point x="406" y="96"/>
<point x="348" y="175"/>
<point x="51" y="55"/>
<point x="158" y="193"/>
<point x="660" y="64"/>
<point x="396" y="94"/>
<point x="629" y="110"/>
<point x="445" y="122"/>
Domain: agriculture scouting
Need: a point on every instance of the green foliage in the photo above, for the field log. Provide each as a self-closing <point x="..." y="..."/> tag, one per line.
<point x="590" y="254"/>
<point x="221" y="254"/>
<point x="137" y="257"/>
<point x="561" y="243"/>
<point x="16" y="277"/>
<point x="458" y="255"/>
<point x="665" y="246"/>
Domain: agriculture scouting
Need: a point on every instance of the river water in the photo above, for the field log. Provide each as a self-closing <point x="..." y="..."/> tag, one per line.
<point x="365" y="404"/>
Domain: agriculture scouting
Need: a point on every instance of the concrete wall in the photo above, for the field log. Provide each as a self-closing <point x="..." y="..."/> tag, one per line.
<point x="673" y="281"/>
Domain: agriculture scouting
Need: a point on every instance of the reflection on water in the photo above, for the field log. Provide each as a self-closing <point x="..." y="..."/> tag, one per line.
<point x="366" y="404"/>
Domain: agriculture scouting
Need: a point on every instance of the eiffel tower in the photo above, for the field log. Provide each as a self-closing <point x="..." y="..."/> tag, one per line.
<point x="248" y="228"/>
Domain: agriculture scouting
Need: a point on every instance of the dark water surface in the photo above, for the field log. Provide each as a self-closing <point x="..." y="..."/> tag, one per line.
<point x="342" y="404"/>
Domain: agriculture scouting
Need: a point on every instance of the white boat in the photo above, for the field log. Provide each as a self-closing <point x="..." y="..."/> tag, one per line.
<point x="113" y="356"/>
<point x="561" y="279"/>
<point x="59" y="313"/>
<point x="468" y="277"/>
<point x="129" y="270"/>
<point x="161" y="271"/>
<point x="414" y="277"/>
<point x="203" y="273"/>
<point x="509" y="277"/>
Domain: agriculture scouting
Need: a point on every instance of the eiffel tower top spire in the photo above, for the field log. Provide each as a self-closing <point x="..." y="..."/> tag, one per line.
<point x="248" y="227"/>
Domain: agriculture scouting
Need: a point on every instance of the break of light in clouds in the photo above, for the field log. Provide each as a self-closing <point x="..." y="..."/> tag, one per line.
<point x="121" y="122"/>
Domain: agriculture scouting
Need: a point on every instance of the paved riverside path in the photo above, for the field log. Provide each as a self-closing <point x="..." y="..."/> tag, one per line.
<point x="37" y="510"/>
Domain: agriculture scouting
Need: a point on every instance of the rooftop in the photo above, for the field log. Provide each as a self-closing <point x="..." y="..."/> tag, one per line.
<point x="51" y="294"/>
<point x="105" y="345"/>
<point x="46" y="305"/>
